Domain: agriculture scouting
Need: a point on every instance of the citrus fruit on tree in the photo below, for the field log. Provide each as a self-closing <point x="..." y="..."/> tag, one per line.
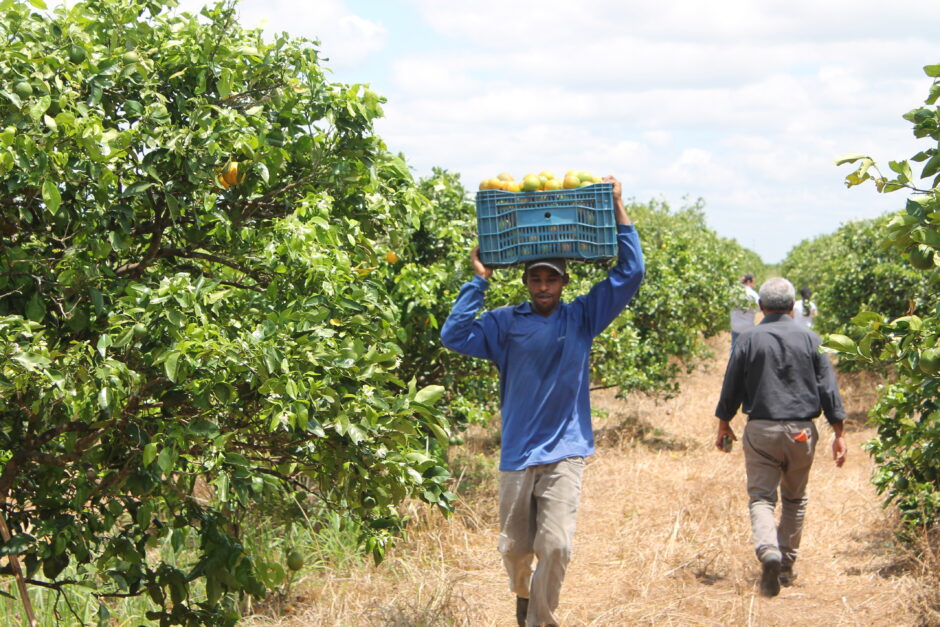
<point x="295" y="561"/>
<point x="76" y="53"/>
<point x="922" y="257"/>
<point x="22" y="89"/>
<point x="930" y="361"/>
<point x="391" y="257"/>
<point x="230" y="174"/>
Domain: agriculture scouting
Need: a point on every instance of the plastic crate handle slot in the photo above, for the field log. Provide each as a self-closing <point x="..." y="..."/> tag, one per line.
<point x="542" y="217"/>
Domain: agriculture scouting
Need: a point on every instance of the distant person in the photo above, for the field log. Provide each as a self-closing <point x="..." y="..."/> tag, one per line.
<point x="744" y="310"/>
<point x="541" y="349"/>
<point x="805" y="309"/>
<point x="777" y="375"/>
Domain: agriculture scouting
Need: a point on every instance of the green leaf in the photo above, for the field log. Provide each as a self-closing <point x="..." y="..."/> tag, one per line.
<point x="137" y="188"/>
<point x="841" y="343"/>
<point x="204" y="428"/>
<point x="931" y="167"/>
<point x="32" y="361"/>
<point x="932" y="70"/>
<point x="851" y="157"/>
<point x="166" y="459"/>
<point x="171" y="366"/>
<point x="914" y="323"/>
<point x="104" y="398"/>
<point x="867" y="316"/>
<point x="430" y="394"/>
<point x="17" y="544"/>
<point x="225" y="83"/>
<point x="51" y="196"/>
<point x="39" y="4"/>
<point x="36" y="308"/>
<point x="150" y="453"/>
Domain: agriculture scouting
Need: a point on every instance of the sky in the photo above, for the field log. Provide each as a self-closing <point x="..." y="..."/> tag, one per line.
<point x="743" y="104"/>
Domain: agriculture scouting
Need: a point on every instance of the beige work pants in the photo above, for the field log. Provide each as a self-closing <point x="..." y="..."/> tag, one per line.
<point x="537" y="511"/>
<point x="776" y="455"/>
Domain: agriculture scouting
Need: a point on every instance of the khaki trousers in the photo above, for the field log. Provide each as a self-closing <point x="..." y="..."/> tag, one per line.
<point x="777" y="455"/>
<point x="537" y="511"/>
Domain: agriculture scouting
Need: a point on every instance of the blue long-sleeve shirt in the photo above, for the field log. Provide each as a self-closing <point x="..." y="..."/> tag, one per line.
<point x="543" y="364"/>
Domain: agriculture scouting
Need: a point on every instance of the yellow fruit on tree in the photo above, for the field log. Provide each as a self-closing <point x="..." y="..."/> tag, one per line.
<point x="391" y="257"/>
<point x="230" y="174"/>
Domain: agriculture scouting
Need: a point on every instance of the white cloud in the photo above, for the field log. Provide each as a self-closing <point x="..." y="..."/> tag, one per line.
<point x="345" y="38"/>
<point x="742" y="103"/>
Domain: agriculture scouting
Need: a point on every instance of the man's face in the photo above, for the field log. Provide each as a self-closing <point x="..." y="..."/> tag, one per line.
<point x="545" y="287"/>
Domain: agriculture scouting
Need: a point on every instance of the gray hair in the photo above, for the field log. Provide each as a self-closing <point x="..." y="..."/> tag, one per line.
<point x="777" y="294"/>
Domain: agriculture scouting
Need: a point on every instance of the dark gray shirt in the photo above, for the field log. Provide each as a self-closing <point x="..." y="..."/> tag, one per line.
<point x="776" y="372"/>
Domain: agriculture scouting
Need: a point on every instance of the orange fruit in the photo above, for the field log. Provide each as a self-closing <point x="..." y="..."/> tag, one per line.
<point x="230" y="174"/>
<point x="531" y="183"/>
<point x="391" y="257"/>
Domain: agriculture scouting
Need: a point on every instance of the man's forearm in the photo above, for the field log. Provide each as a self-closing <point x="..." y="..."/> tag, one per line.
<point x="620" y="213"/>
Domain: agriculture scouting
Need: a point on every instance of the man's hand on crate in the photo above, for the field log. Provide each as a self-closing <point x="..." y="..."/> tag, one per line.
<point x="478" y="268"/>
<point x="620" y="213"/>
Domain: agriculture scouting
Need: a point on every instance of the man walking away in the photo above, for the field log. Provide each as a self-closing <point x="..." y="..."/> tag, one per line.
<point x="781" y="380"/>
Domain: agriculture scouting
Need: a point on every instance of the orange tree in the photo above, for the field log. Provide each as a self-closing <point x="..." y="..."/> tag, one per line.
<point x="849" y="271"/>
<point x="907" y="414"/>
<point x="187" y="291"/>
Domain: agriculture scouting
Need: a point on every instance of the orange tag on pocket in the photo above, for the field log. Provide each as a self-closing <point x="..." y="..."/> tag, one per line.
<point x="802" y="436"/>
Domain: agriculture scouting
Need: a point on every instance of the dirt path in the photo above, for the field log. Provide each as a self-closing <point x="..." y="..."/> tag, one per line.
<point x="663" y="537"/>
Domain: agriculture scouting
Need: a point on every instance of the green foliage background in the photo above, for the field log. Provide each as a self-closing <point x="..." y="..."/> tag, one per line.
<point x="905" y="341"/>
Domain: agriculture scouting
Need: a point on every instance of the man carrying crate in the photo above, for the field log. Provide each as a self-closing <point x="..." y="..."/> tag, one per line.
<point x="541" y="349"/>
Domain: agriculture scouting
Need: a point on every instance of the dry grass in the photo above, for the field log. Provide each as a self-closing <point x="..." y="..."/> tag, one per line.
<point x="663" y="538"/>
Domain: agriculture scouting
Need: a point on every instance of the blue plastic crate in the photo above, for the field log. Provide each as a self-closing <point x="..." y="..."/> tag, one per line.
<point x="515" y="227"/>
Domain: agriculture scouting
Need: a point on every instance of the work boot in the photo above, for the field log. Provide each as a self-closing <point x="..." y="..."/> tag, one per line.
<point x="787" y="574"/>
<point x="770" y="574"/>
<point x="522" y="610"/>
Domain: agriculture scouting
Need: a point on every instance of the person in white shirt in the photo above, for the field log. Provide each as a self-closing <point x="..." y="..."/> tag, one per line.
<point x="805" y="309"/>
<point x="743" y="312"/>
